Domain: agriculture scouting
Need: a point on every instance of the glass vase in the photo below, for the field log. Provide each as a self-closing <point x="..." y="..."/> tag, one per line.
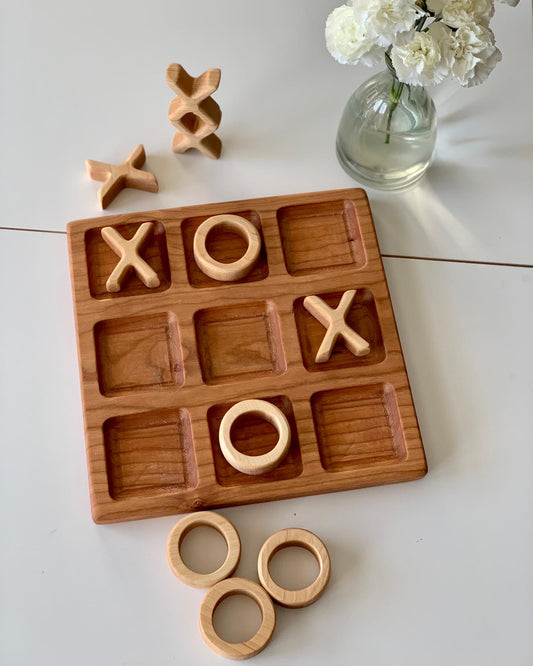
<point x="387" y="133"/>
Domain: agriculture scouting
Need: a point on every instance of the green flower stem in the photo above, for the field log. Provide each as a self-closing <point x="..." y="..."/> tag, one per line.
<point x="397" y="86"/>
<point x="420" y="23"/>
<point x="395" y="95"/>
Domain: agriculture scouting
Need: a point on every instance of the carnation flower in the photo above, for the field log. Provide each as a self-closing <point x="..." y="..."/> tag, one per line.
<point x="422" y="50"/>
<point x="435" y="6"/>
<point x="470" y="52"/>
<point x="346" y="40"/>
<point x="458" y="13"/>
<point x="484" y="68"/>
<point x="417" y="58"/>
<point x="384" y="19"/>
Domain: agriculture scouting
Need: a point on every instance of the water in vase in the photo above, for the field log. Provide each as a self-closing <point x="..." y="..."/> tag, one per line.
<point x="384" y="149"/>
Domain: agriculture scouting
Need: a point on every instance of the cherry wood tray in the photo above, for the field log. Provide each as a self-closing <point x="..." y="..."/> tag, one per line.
<point x="160" y="367"/>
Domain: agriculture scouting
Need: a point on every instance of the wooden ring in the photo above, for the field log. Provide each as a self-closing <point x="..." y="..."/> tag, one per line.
<point x="304" y="539"/>
<point x="215" y="596"/>
<point x="203" y="519"/>
<point x="236" y="269"/>
<point x="255" y="464"/>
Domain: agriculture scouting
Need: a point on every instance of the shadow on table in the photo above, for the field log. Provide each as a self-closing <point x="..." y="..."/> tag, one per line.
<point x="419" y="217"/>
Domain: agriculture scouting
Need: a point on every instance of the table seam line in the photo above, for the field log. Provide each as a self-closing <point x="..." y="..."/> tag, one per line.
<point x="458" y="261"/>
<point x="39" y="231"/>
<point x="384" y="256"/>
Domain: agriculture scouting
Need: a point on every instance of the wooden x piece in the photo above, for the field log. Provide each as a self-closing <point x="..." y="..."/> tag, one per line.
<point x="194" y="112"/>
<point x="335" y="322"/>
<point x="117" y="177"/>
<point x="130" y="258"/>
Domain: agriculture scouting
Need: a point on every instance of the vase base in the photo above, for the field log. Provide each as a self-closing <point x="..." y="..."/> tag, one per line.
<point x="379" y="179"/>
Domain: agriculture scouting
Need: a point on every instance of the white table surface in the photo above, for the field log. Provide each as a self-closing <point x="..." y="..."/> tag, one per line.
<point x="436" y="571"/>
<point x="87" y="80"/>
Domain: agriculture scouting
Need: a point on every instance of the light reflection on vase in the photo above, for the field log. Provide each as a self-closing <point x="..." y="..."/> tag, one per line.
<point x="387" y="133"/>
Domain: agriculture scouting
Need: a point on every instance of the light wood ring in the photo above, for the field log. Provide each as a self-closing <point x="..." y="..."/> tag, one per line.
<point x="203" y="519"/>
<point x="255" y="464"/>
<point x="215" y="596"/>
<point x="236" y="269"/>
<point x="294" y="536"/>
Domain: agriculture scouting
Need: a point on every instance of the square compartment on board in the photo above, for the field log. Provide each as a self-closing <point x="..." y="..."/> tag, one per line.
<point x="149" y="454"/>
<point x="101" y="260"/>
<point x="362" y="317"/>
<point x="223" y="246"/>
<point x="239" y="342"/>
<point x="358" y="427"/>
<point x="137" y="353"/>
<point x="320" y="236"/>
<point x="254" y="436"/>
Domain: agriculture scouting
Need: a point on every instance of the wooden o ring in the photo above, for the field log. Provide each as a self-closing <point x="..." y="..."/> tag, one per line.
<point x="255" y="464"/>
<point x="203" y="519"/>
<point x="236" y="269"/>
<point x="294" y="536"/>
<point x="215" y="596"/>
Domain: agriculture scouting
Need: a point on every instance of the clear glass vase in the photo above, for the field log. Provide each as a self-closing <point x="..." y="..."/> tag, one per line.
<point x="387" y="133"/>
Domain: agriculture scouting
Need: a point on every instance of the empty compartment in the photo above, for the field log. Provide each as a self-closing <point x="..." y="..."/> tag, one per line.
<point x="254" y="436"/>
<point x="362" y="317"/>
<point x="149" y="454"/>
<point x="239" y="342"/>
<point x="225" y="247"/>
<point x="358" y="427"/>
<point x="320" y="236"/>
<point x="101" y="260"/>
<point x="136" y="353"/>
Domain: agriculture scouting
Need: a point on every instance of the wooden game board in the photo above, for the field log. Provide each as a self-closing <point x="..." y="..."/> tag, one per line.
<point x="160" y="367"/>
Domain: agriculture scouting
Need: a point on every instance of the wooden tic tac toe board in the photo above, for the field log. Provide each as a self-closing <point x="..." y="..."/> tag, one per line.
<point x="160" y="367"/>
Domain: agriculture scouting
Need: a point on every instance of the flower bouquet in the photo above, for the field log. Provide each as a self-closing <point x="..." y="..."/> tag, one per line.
<point x="423" y="42"/>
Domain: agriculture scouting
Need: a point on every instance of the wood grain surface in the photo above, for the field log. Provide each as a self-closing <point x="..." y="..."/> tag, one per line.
<point x="116" y="177"/>
<point x="334" y="320"/>
<point x="203" y="519"/>
<point x="294" y="536"/>
<point x="130" y="260"/>
<point x="193" y="111"/>
<point x="251" y="463"/>
<point x="215" y="596"/>
<point x="227" y="271"/>
<point x="160" y="367"/>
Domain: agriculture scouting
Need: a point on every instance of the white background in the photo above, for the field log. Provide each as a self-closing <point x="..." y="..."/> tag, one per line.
<point x="435" y="571"/>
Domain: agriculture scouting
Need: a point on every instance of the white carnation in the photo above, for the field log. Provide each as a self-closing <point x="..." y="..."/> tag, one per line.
<point x="346" y="40"/>
<point x="442" y="34"/>
<point x="435" y="6"/>
<point x="458" y="13"/>
<point x="417" y="59"/>
<point x="484" y="68"/>
<point x="384" y="19"/>
<point x="470" y="52"/>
